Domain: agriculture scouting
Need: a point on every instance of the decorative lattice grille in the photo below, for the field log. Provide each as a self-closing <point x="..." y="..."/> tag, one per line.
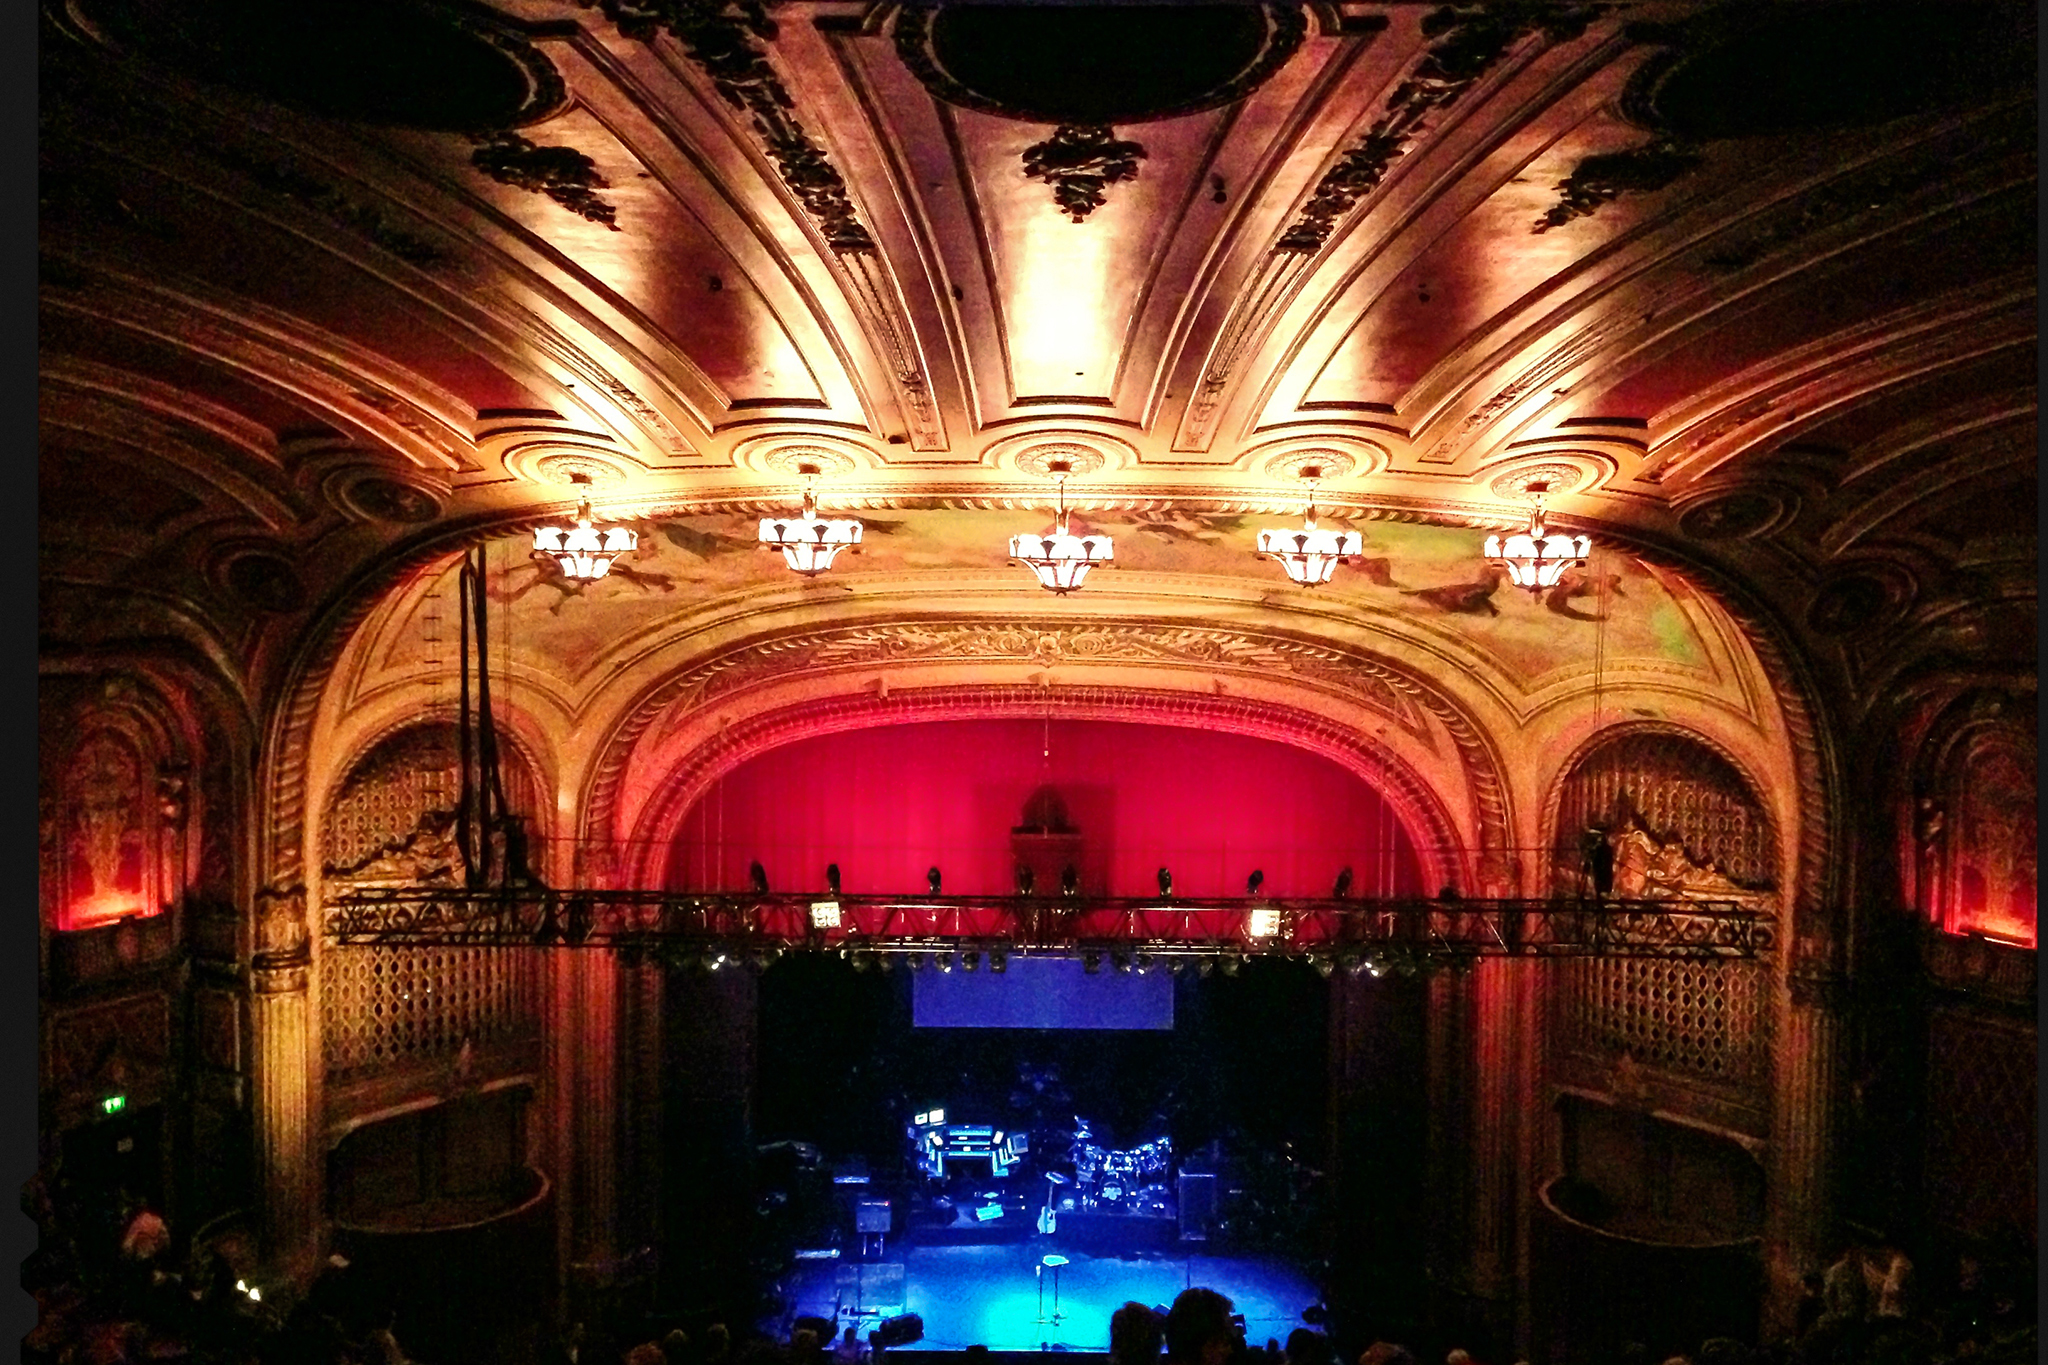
<point x="382" y="801"/>
<point x="385" y="1006"/>
<point x="1706" y="1019"/>
<point x="381" y="1006"/>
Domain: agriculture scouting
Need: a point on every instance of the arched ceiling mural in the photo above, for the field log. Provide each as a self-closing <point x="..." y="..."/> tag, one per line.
<point x="1753" y="289"/>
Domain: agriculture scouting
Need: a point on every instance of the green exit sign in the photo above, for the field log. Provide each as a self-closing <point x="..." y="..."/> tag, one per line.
<point x="114" y="1104"/>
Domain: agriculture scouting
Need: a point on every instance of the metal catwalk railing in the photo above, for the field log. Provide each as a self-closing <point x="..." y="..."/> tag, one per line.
<point x="1350" y="931"/>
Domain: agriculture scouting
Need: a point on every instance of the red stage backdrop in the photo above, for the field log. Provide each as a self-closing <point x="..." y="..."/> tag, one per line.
<point x="888" y="803"/>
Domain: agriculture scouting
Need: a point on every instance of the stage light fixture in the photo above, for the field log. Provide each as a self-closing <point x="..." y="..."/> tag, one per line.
<point x="998" y="961"/>
<point x="1205" y="966"/>
<point x="915" y="961"/>
<point x="582" y="551"/>
<point x="1230" y="963"/>
<point x="1091" y="962"/>
<point x="1326" y="967"/>
<point x="943" y="961"/>
<point x="1061" y="560"/>
<point x="824" y="914"/>
<point x="969" y="961"/>
<point x="809" y="543"/>
<point x="1121" y="963"/>
<point x="1310" y="556"/>
<point x="1537" y="558"/>
<point x="1263" y="922"/>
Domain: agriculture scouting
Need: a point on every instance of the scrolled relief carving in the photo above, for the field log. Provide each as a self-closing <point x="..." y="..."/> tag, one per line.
<point x="1545" y="373"/>
<point x="1046" y="645"/>
<point x="1522" y="482"/>
<point x="1470" y="39"/>
<point x="1041" y="459"/>
<point x="1086" y="452"/>
<point x="563" y="174"/>
<point x="281" y="938"/>
<point x="381" y="495"/>
<point x="1742" y="513"/>
<point x="1605" y="177"/>
<point x="1081" y="162"/>
<point x="1303" y="462"/>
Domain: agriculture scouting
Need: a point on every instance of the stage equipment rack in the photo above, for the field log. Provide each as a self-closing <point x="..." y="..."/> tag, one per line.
<point x="1118" y="933"/>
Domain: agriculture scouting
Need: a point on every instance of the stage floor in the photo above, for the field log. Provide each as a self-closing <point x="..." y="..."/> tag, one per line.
<point x="990" y="1294"/>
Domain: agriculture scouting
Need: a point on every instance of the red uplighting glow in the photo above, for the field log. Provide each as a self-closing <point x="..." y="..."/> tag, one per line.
<point x="888" y="803"/>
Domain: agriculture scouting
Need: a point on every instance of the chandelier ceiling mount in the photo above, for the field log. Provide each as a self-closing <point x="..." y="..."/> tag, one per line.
<point x="1537" y="558"/>
<point x="583" y="550"/>
<point x="1309" y="555"/>
<point x="1061" y="560"/>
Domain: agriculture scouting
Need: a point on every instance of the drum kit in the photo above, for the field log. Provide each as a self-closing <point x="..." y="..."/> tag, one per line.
<point x="1119" y="1180"/>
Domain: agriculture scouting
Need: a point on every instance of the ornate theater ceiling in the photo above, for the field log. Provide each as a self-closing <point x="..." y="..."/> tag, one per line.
<point x="327" y="288"/>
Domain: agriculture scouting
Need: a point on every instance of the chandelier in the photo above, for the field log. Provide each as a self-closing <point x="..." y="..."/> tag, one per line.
<point x="1536" y="559"/>
<point x="1061" y="560"/>
<point x="808" y="543"/>
<point x="1310" y="556"/>
<point x="584" y="551"/>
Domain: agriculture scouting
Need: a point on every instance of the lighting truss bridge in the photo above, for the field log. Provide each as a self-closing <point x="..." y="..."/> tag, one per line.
<point x="745" y="926"/>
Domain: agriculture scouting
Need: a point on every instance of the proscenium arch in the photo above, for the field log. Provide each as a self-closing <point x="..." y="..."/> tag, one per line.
<point x="1444" y="858"/>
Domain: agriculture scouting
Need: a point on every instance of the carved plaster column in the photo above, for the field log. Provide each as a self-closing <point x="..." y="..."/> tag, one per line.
<point x="286" y="1079"/>
<point x="1799" y="1214"/>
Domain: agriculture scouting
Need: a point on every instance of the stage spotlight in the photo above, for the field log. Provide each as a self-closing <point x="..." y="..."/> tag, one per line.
<point x="861" y="961"/>
<point x="832" y="877"/>
<point x="1165" y="883"/>
<point x="757" y="876"/>
<point x="1263" y="923"/>
<point x="1121" y="963"/>
<point x="1325" y="966"/>
<point x="886" y="961"/>
<point x="1230" y="965"/>
<point x="1070" y="881"/>
<point x="1143" y="963"/>
<point x="824" y="914"/>
<point x="998" y="961"/>
<point x="1205" y="966"/>
<point x="915" y="961"/>
<point x="969" y="961"/>
<point x="943" y="961"/>
<point x="1255" y="881"/>
<point x="1024" y="880"/>
<point x="1343" y="886"/>
<point x="1354" y="965"/>
<point x="931" y="878"/>
<point x="1091" y="962"/>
